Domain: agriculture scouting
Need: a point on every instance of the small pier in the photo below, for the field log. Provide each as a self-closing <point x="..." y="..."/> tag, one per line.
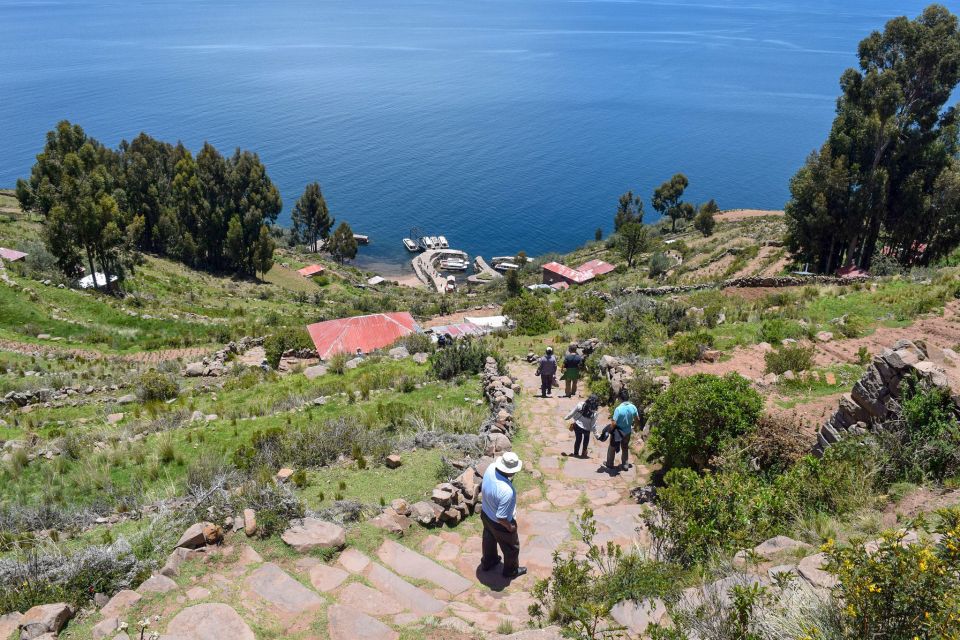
<point x="484" y="273"/>
<point x="424" y="265"/>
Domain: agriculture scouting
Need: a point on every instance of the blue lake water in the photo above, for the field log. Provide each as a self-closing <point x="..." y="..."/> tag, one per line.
<point x="505" y="125"/>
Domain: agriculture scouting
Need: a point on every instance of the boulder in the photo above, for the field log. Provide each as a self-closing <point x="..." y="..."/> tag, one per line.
<point x="399" y="353"/>
<point x="212" y="534"/>
<point x="824" y="336"/>
<point x="114" y="418"/>
<point x="778" y="544"/>
<point x="284" y="474"/>
<point x="194" y="537"/>
<point x="426" y="513"/>
<point x="127" y="399"/>
<point x="157" y="584"/>
<point x="314" y="372"/>
<point x="195" y="370"/>
<point x="400" y="506"/>
<point x="811" y="568"/>
<point x="120" y="604"/>
<point x="44" y="619"/>
<point x="310" y="533"/>
<point x="442" y="497"/>
<point x="392" y="523"/>
<point x="209" y="622"/>
<point x="353" y="364"/>
<point x="105" y="628"/>
<point x="9" y="623"/>
<point x="172" y="567"/>
<point x="393" y="461"/>
<point x="250" y="522"/>
<point x="421" y="358"/>
<point x="711" y="355"/>
<point x="638" y="616"/>
<point x="496" y="444"/>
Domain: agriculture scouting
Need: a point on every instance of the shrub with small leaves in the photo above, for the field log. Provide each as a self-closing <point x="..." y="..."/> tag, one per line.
<point x="154" y="386"/>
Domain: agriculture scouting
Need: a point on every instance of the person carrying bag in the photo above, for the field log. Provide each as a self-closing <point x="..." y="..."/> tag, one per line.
<point x="584" y="417"/>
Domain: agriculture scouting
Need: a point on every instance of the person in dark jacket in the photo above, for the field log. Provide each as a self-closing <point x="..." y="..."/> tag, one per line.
<point x="572" y="363"/>
<point x="547" y="370"/>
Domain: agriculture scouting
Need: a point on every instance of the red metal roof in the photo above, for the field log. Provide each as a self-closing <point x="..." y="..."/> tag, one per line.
<point x="595" y="268"/>
<point x="367" y="333"/>
<point x="311" y="270"/>
<point x="564" y="271"/>
<point x="11" y="255"/>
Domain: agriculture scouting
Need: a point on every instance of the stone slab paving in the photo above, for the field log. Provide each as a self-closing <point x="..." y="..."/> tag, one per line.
<point x="326" y="578"/>
<point x="353" y="561"/>
<point x="370" y="601"/>
<point x="212" y="621"/>
<point x="346" y="623"/>
<point x="411" y="564"/>
<point x="276" y="587"/>
<point x="411" y="597"/>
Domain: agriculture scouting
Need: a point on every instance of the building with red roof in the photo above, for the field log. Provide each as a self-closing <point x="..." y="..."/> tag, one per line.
<point x="364" y="333"/>
<point x="554" y="272"/>
<point x="11" y="255"/>
<point x="311" y="270"/>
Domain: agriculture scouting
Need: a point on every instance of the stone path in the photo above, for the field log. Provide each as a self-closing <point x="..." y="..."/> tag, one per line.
<point x="436" y="587"/>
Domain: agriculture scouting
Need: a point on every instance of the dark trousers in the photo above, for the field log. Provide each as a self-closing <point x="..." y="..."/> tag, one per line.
<point x="494" y="535"/>
<point x="546" y="384"/>
<point x="624" y="446"/>
<point x="581" y="435"/>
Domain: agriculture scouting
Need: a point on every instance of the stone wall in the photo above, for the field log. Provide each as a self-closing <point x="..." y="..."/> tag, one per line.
<point x="752" y="282"/>
<point x="216" y="364"/>
<point x="875" y="398"/>
<point x="451" y="502"/>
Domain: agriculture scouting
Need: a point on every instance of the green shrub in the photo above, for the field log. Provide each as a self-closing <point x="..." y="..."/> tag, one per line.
<point x="417" y="343"/>
<point x="531" y="314"/>
<point x="790" y="358"/>
<point x="700" y="515"/>
<point x="900" y="591"/>
<point x="928" y="445"/>
<point x="696" y="416"/>
<point x="602" y="389"/>
<point x="687" y="347"/>
<point x="660" y="263"/>
<point x="644" y="389"/>
<point x="466" y="356"/>
<point x="283" y="340"/>
<point x="776" y="330"/>
<point x="843" y="480"/>
<point x="591" y="308"/>
<point x="338" y="363"/>
<point x="154" y="386"/>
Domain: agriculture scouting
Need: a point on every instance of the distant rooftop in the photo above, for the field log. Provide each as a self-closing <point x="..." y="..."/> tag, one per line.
<point x="11" y="255"/>
<point x="366" y="333"/>
<point x="311" y="270"/>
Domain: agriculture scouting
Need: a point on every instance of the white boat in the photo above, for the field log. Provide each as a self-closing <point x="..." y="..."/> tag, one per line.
<point x="361" y="239"/>
<point x="427" y="242"/>
<point x="496" y="259"/>
<point x="506" y="266"/>
<point x="451" y="283"/>
<point x="454" y="264"/>
<point x="411" y="246"/>
<point x="442" y="242"/>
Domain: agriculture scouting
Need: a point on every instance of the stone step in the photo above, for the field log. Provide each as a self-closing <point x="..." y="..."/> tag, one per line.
<point x="411" y="564"/>
<point x="346" y="623"/>
<point x="413" y="598"/>
<point x="370" y="601"/>
<point x="276" y="587"/>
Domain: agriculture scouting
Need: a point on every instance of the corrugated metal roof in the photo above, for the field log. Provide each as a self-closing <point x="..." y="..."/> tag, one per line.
<point x="596" y="268"/>
<point x="563" y="271"/>
<point x="460" y="329"/>
<point x="367" y="333"/>
<point x="311" y="270"/>
<point x="11" y="255"/>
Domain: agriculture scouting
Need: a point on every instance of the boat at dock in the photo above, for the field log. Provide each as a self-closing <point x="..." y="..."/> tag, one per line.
<point x="361" y="239"/>
<point x="451" y="283"/>
<point x="442" y="242"/>
<point x="506" y="266"/>
<point x="411" y="245"/>
<point x="454" y="264"/>
<point x="427" y="243"/>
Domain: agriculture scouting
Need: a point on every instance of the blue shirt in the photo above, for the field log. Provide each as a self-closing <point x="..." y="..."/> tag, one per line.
<point x="499" y="498"/>
<point x="624" y="416"/>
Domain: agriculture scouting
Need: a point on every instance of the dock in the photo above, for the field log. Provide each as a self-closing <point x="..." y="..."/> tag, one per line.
<point x="484" y="273"/>
<point x="423" y="266"/>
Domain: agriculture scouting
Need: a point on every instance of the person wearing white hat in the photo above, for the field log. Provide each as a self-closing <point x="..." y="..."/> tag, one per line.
<point x="498" y="514"/>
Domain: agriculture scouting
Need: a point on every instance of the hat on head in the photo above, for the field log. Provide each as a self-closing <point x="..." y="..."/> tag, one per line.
<point x="508" y="463"/>
<point x="549" y="350"/>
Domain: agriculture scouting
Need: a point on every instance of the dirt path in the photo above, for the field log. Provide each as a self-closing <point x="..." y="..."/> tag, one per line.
<point x="148" y="357"/>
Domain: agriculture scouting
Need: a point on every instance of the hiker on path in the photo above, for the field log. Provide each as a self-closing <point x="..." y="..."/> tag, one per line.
<point x="572" y="363"/>
<point x="620" y="429"/>
<point x="547" y="370"/>
<point x="498" y="514"/>
<point x="584" y="417"/>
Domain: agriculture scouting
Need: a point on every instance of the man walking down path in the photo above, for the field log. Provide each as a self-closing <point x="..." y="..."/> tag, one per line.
<point x="547" y="370"/>
<point x="621" y="429"/>
<point x="498" y="514"/>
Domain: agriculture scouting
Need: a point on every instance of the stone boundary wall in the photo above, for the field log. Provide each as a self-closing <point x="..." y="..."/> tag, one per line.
<point x="451" y="502"/>
<point x="875" y="398"/>
<point x="216" y="365"/>
<point x="772" y="282"/>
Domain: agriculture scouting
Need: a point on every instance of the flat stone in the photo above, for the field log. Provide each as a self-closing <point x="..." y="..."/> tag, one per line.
<point x="547" y="633"/>
<point x="325" y="578"/>
<point x="114" y="418"/>
<point x="248" y="556"/>
<point x="353" y="561"/>
<point x="393" y="461"/>
<point x="310" y="533"/>
<point x="9" y="623"/>
<point x="197" y="593"/>
<point x="778" y="544"/>
<point x="275" y="586"/>
<point x="157" y="584"/>
<point x="370" y="601"/>
<point x="411" y="564"/>
<point x="212" y="621"/>
<point x="172" y="568"/>
<point x="44" y="619"/>
<point x="315" y="371"/>
<point x="100" y="630"/>
<point x="408" y="595"/>
<point x="346" y="623"/>
<point x="811" y="568"/>
<point x="637" y="616"/>
<point x="120" y="604"/>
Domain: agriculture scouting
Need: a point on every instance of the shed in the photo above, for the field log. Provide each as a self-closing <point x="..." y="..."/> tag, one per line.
<point x="556" y="272"/>
<point x="11" y="255"/>
<point x="311" y="270"/>
<point x="366" y="333"/>
<point x="595" y="268"/>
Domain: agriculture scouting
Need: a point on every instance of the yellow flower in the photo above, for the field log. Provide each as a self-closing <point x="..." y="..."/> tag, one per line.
<point x="874" y="588"/>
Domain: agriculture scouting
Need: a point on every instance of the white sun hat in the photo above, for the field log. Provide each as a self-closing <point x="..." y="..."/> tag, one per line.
<point x="509" y="463"/>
